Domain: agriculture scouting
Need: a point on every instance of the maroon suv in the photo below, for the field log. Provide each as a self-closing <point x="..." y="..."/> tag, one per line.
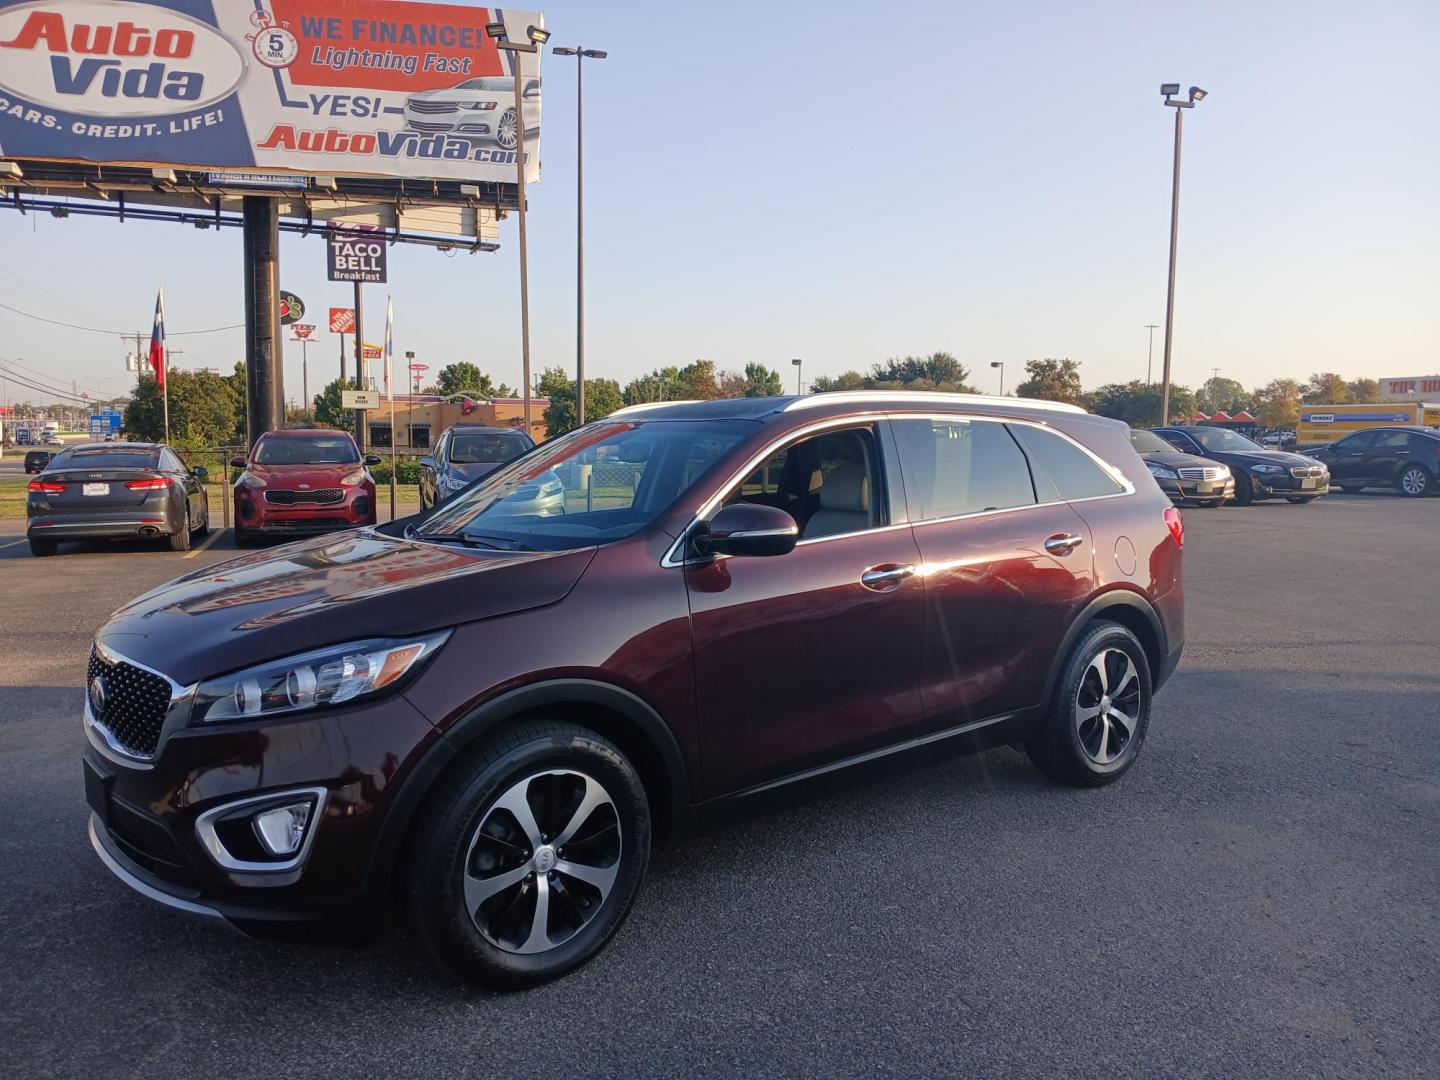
<point x="488" y="713"/>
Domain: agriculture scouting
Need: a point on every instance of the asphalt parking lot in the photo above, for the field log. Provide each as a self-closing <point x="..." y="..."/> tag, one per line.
<point x="1258" y="897"/>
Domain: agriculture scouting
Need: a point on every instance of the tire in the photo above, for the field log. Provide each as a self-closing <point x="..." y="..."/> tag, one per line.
<point x="1244" y="491"/>
<point x="180" y="541"/>
<point x="506" y="130"/>
<point x="244" y="538"/>
<point x="1075" y="745"/>
<point x="1351" y="490"/>
<point x="42" y="549"/>
<point x="1414" y="482"/>
<point x="484" y="926"/>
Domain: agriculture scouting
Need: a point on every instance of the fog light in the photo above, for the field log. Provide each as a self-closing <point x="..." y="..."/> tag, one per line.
<point x="282" y="828"/>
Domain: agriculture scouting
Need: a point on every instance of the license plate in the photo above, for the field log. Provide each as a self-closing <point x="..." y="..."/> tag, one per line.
<point x="1309" y="483"/>
<point x="95" y="489"/>
<point x="1204" y="487"/>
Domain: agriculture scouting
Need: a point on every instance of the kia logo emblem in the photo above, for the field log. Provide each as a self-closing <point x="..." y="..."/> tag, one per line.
<point x="99" y="694"/>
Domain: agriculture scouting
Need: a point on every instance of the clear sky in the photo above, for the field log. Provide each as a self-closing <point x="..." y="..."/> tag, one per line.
<point x="844" y="182"/>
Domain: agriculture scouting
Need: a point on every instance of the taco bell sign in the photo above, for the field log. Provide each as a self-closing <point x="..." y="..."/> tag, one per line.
<point x="356" y="255"/>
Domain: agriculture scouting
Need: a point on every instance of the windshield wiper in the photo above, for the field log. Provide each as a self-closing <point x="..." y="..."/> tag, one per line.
<point x="495" y="543"/>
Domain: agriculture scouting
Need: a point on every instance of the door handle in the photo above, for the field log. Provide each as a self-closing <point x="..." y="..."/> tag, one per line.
<point x="1063" y="544"/>
<point x="881" y="576"/>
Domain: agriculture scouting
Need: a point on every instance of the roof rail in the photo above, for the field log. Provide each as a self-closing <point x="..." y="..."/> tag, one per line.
<point x="651" y="405"/>
<point x="815" y="401"/>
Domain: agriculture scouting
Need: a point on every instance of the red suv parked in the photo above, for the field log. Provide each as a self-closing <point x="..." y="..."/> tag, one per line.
<point x="490" y="713"/>
<point x="298" y="483"/>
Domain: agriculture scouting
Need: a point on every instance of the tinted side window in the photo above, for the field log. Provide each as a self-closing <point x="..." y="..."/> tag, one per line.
<point x="1391" y="440"/>
<point x="955" y="467"/>
<point x="1073" y="472"/>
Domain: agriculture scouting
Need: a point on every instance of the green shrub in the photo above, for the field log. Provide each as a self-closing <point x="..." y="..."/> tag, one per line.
<point x="407" y="471"/>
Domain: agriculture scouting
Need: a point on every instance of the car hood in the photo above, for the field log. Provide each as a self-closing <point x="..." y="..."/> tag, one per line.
<point x="302" y="477"/>
<point x="1283" y="458"/>
<point x="1175" y="459"/>
<point x="329" y="590"/>
<point x="472" y="472"/>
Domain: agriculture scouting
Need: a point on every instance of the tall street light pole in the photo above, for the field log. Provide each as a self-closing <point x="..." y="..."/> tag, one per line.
<point x="1001" y="365"/>
<point x="1150" y="351"/>
<point x="1171" y="92"/>
<point x="538" y="37"/>
<point x="799" y="368"/>
<point x="581" y="55"/>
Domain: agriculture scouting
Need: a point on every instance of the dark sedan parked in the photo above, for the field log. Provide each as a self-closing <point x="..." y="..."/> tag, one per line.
<point x="1184" y="477"/>
<point x="464" y="453"/>
<point x="1259" y="473"/>
<point x="116" y="491"/>
<point x="37" y="460"/>
<point x="1407" y="458"/>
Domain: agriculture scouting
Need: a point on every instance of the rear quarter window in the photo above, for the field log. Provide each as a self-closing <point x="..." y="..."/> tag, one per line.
<point x="1061" y="467"/>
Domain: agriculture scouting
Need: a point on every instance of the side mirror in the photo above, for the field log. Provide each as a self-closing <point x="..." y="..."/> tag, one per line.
<point x="373" y="459"/>
<point x="201" y="473"/>
<point x="428" y="463"/>
<point x="237" y="462"/>
<point x="749" y="529"/>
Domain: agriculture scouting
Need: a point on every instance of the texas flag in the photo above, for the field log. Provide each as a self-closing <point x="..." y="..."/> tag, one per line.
<point x="157" y="340"/>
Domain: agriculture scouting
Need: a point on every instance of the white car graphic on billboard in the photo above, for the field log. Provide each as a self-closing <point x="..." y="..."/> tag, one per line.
<point x="479" y="108"/>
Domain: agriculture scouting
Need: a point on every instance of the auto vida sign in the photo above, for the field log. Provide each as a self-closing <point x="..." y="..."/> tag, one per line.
<point x="364" y="87"/>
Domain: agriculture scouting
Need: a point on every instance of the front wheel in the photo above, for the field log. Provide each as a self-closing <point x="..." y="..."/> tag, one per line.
<point x="1244" y="491"/>
<point x="1301" y="500"/>
<point x="1414" y="482"/>
<point x="1100" y="710"/>
<point x="506" y="133"/>
<point x="530" y="855"/>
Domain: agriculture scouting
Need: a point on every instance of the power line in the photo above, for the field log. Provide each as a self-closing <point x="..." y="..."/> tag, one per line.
<point x="119" y="333"/>
<point x="69" y="399"/>
<point x="41" y="375"/>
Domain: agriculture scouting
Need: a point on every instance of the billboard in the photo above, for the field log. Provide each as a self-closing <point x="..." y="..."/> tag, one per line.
<point x="1410" y="388"/>
<point x="401" y="88"/>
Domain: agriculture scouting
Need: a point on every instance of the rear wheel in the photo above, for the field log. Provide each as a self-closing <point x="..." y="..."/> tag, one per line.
<point x="1414" y="482"/>
<point x="1100" y="711"/>
<point x="42" y="548"/>
<point x="529" y="855"/>
<point x="180" y="541"/>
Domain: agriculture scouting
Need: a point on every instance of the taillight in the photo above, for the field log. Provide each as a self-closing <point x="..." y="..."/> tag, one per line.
<point x="1176" y="524"/>
<point x="147" y="485"/>
<point x="47" y="487"/>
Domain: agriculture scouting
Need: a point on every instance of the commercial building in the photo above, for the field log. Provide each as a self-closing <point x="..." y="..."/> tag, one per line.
<point x="421" y="418"/>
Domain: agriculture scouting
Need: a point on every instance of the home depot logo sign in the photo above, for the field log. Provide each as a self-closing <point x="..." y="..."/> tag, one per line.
<point x="81" y="58"/>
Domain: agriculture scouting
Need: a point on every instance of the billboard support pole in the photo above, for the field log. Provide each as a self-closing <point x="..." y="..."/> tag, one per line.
<point x="524" y="267"/>
<point x="360" y="373"/>
<point x="263" y="390"/>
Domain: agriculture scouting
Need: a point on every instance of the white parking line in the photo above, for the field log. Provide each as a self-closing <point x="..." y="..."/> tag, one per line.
<point x="15" y="543"/>
<point x="214" y="535"/>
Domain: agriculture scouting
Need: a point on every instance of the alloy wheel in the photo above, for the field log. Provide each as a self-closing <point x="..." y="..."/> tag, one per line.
<point x="1413" y="481"/>
<point x="505" y="133"/>
<point x="1107" y="706"/>
<point x="543" y="861"/>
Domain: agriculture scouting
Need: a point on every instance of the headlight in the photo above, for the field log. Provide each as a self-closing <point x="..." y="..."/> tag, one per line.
<point x="249" y="479"/>
<point x="354" y="478"/>
<point x="1162" y="472"/>
<point x="328" y="676"/>
<point x="1267" y="468"/>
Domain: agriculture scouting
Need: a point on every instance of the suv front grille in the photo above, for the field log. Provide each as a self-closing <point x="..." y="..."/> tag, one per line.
<point x="290" y="498"/>
<point x="1208" y="472"/>
<point x="135" y="704"/>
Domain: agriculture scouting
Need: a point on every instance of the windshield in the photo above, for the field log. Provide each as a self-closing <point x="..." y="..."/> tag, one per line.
<point x="105" y="459"/>
<point x="486" y="449"/>
<point x="1147" y="442"/>
<point x="1214" y="438"/>
<point x="599" y="483"/>
<point x="307" y="450"/>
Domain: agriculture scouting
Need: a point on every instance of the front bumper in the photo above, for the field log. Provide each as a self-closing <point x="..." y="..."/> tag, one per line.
<point x="1283" y="485"/>
<point x="255" y="515"/>
<point x="146" y="816"/>
<point x="1189" y="490"/>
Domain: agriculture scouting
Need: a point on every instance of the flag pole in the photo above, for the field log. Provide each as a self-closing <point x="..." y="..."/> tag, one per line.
<point x="165" y="373"/>
<point x="390" y="393"/>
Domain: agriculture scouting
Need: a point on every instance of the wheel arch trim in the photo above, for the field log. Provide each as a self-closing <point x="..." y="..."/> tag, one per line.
<point x="1110" y="602"/>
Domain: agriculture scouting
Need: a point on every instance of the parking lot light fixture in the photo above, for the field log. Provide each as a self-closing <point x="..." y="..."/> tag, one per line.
<point x="1001" y="365"/>
<point x="1171" y="93"/>
<point x="799" y="367"/>
<point x="581" y="55"/>
<point x="538" y="36"/>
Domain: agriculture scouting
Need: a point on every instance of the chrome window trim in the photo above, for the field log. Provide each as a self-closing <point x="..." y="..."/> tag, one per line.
<point x="672" y="558"/>
<point x="837" y="397"/>
<point x="177" y="714"/>
<point x="210" y="840"/>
